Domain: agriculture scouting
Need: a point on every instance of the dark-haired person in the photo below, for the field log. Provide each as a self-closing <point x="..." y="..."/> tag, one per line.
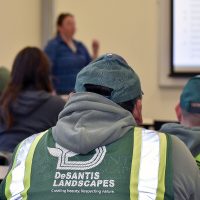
<point x="68" y="56"/>
<point x="97" y="150"/>
<point x="188" y="114"/>
<point x="27" y="105"/>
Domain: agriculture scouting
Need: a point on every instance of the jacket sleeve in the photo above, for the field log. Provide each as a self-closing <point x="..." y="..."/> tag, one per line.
<point x="3" y="183"/>
<point x="186" y="173"/>
<point x="2" y="190"/>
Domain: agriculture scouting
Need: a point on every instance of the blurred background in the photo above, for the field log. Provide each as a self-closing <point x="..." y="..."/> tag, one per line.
<point x="130" y="28"/>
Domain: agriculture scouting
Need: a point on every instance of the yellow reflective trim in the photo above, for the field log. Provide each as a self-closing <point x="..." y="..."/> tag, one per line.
<point x="198" y="158"/>
<point x="162" y="167"/>
<point x="135" y="166"/>
<point x="9" y="176"/>
<point x="28" y="165"/>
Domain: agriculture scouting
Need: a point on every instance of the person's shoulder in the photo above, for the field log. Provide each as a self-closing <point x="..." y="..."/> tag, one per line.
<point x="171" y="127"/>
<point x="56" y="101"/>
<point x="53" y="42"/>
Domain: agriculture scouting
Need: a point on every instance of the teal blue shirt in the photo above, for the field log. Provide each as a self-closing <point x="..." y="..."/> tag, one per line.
<point x="65" y="63"/>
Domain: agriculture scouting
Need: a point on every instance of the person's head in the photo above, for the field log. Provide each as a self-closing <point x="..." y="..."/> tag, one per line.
<point x="30" y="70"/>
<point x="111" y="77"/>
<point x="188" y="109"/>
<point x="4" y="78"/>
<point x="66" y="25"/>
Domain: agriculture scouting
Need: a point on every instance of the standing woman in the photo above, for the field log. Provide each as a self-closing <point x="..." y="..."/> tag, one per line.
<point x="27" y="105"/>
<point x="68" y="56"/>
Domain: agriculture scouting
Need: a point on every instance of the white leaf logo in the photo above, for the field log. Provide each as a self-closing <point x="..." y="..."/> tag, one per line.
<point x="63" y="156"/>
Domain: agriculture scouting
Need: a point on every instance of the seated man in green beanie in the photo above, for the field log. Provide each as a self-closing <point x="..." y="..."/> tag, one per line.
<point x="97" y="150"/>
<point x="4" y="78"/>
<point x="188" y="114"/>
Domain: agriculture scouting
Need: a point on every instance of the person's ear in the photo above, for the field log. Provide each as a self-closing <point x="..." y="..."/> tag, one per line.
<point x="178" y="112"/>
<point x="137" y="112"/>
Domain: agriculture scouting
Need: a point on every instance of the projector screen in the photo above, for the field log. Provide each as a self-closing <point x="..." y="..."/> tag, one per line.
<point x="185" y="37"/>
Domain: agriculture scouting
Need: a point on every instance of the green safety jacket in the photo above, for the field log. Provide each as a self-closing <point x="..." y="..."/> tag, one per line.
<point x="137" y="166"/>
<point x="197" y="158"/>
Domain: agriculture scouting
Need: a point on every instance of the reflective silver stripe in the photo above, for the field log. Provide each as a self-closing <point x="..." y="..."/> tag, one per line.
<point x="16" y="197"/>
<point x="17" y="181"/>
<point x="149" y="165"/>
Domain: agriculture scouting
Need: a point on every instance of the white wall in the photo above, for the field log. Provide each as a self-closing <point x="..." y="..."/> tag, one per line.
<point x="20" y="26"/>
<point x="129" y="28"/>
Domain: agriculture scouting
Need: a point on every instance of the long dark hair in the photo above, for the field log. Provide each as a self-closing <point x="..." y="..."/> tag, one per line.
<point x="31" y="69"/>
<point x="61" y="18"/>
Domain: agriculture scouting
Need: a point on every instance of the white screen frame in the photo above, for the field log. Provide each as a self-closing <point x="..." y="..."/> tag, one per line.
<point x="164" y="48"/>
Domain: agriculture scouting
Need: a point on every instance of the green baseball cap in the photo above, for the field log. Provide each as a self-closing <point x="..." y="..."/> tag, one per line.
<point x="190" y="97"/>
<point x="111" y="71"/>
